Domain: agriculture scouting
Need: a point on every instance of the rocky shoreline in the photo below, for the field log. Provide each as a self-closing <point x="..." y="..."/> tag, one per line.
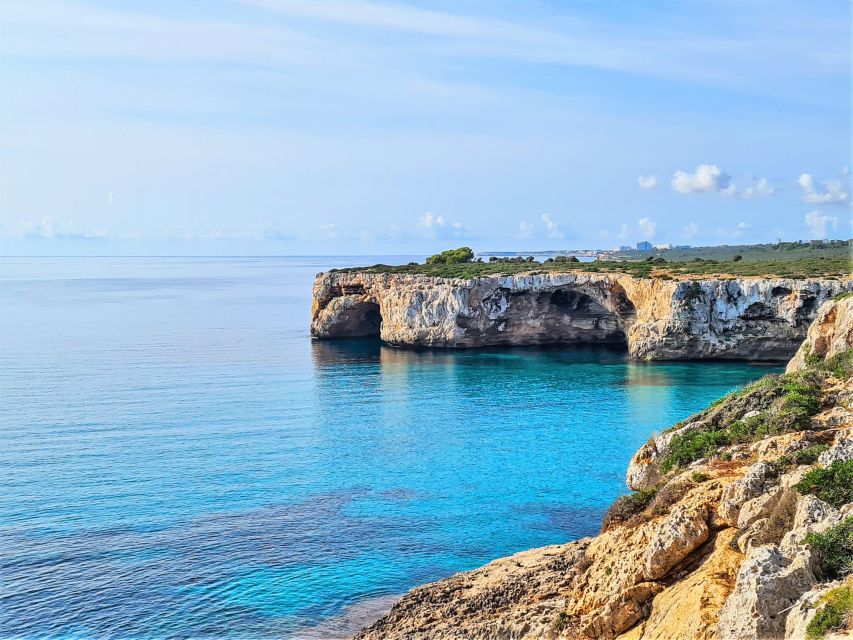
<point x="740" y="526"/>
<point x="656" y="318"/>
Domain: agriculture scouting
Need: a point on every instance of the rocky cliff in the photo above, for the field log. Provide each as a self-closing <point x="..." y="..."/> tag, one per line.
<point x="741" y="527"/>
<point x="747" y="318"/>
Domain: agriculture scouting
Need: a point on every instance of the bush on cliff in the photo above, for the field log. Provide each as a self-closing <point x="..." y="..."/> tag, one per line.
<point x="834" y="549"/>
<point x="833" y="485"/>
<point x="627" y="506"/>
<point x="452" y="256"/>
<point x="835" y="614"/>
<point x="693" y="445"/>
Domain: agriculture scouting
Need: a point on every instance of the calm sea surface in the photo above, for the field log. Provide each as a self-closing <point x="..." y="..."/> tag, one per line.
<point x="178" y="459"/>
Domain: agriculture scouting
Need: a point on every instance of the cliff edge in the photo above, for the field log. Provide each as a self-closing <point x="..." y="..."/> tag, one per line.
<point x="657" y="318"/>
<point x="740" y="526"/>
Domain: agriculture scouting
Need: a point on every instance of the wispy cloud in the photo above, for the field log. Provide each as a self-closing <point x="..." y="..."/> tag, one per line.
<point x="52" y="228"/>
<point x="831" y="192"/>
<point x="819" y="223"/>
<point x="647" y="182"/>
<point x="552" y="227"/>
<point x="648" y="228"/>
<point x="435" y="226"/>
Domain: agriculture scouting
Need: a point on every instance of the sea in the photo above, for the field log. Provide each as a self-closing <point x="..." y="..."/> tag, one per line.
<point x="179" y="459"/>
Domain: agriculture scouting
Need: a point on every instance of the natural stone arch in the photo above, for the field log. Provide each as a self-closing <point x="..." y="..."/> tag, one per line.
<point x="353" y="317"/>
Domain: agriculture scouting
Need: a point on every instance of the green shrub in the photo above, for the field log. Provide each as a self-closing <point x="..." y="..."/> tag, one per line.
<point x="843" y="296"/>
<point x="747" y="429"/>
<point x="836" y="612"/>
<point x="840" y="365"/>
<point x="452" y="256"/>
<point x="807" y="455"/>
<point x="693" y="445"/>
<point x="627" y="506"/>
<point x="833" y="485"/>
<point x="560" y="622"/>
<point x="834" y="548"/>
<point x="699" y="477"/>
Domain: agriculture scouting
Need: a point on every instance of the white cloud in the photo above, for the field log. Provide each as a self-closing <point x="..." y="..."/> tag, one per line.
<point x="832" y="192"/>
<point x="708" y="178"/>
<point x="110" y="198"/>
<point x="759" y="189"/>
<point x="552" y="227"/>
<point x="330" y="230"/>
<point x="819" y="223"/>
<point x="437" y="227"/>
<point x="690" y="230"/>
<point x="733" y="232"/>
<point x="648" y="228"/>
<point x="52" y="228"/>
<point x="525" y="230"/>
<point x="647" y="182"/>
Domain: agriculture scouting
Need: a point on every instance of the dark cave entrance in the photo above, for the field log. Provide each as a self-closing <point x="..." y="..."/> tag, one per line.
<point x="564" y="315"/>
<point x="361" y="320"/>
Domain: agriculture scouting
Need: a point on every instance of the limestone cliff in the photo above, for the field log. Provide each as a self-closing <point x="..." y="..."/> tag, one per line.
<point x="720" y="542"/>
<point x="747" y="318"/>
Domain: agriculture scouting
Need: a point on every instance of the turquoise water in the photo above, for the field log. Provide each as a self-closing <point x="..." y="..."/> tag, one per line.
<point x="179" y="459"/>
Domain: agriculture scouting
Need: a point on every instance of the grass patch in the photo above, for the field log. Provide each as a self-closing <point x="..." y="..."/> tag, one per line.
<point x="560" y="622"/>
<point x="834" y="549"/>
<point x="628" y="506"/>
<point x="693" y="445"/>
<point x="843" y="296"/>
<point x="835" y="614"/>
<point x="833" y="485"/>
<point x="788" y="260"/>
<point x="786" y="403"/>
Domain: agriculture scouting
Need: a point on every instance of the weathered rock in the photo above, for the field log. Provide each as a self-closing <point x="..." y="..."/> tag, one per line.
<point x="831" y="333"/>
<point x="841" y="451"/>
<point x="754" y="318"/>
<point x="804" y="611"/>
<point x="758" y="507"/>
<point x="767" y="585"/>
<point x="734" y="495"/>
<point x="683" y="531"/>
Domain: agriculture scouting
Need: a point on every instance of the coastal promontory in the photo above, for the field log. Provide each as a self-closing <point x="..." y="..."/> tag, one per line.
<point x="656" y="318"/>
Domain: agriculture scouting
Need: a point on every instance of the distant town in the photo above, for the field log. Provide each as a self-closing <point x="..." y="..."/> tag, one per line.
<point x="641" y="249"/>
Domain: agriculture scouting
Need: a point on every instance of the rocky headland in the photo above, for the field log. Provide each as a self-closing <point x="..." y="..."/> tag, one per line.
<point x="740" y="524"/>
<point x="658" y="319"/>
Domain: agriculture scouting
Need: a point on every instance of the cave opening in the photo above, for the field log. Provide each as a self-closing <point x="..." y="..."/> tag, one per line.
<point x="361" y="320"/>
<point x="564" y="315"/>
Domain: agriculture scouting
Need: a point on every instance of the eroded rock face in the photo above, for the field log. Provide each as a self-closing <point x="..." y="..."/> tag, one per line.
<point x="768" y="584"/>
<point x="683" y="531"/>
<point x="831" y="333"/>
<point x="757" y="319"/>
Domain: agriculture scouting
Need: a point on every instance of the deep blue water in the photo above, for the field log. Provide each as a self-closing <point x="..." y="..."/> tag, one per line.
<point x="178" y="459"/>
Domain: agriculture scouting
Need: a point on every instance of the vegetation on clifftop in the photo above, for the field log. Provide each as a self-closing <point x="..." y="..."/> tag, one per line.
<point x="787" y="260"/>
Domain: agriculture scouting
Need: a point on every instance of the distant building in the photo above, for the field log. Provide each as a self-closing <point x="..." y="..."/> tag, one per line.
<point x="625" y="247"/>
<point x="663" y="246"/>
<point x="644" y="246"/>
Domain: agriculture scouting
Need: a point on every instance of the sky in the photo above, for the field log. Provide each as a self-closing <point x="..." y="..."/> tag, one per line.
<point x="293" y="127"/>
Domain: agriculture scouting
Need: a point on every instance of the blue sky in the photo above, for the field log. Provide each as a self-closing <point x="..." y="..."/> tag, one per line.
<point x="367" y="127"/>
